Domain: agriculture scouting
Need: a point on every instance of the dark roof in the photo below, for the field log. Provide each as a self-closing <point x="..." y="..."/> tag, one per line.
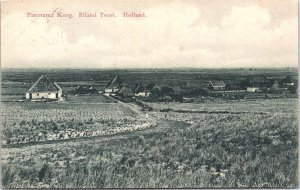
<point x="85" y="90"/>
<point x="43" y="84"/>
<point x="217" y="83"/>
<point x="115" y="82"/>
<point x="125" y="91"/>
<point x="150" y="86"/>
<point x="139" y="88"/>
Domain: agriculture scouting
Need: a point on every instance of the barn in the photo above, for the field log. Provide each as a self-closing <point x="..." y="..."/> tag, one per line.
<point x="216" y="85"/>
<point x="114" y="85"/>
<point x="43" y="88"/>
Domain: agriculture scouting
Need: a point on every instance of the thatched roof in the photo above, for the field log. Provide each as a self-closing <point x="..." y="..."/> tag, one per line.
<point x="115" y="82"/>
<point x="139" y="88"/>
<point x="43" y="84"/>
<point x="125" y="91"/>
<point x="217" y="83"/>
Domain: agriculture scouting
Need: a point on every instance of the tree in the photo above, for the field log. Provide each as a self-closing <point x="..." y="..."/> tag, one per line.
<point x="150" y="86"/>
<point x="166" y="91"/>
<point x="156" y="91"/>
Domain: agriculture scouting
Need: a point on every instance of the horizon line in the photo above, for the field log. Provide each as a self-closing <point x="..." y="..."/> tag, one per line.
<point x="149" y="68"/>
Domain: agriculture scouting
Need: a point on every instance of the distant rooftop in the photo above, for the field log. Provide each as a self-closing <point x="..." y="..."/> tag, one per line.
<point x="115" y="82"/>
<point x="139" y="88"/>
<point x="217" y="83"/>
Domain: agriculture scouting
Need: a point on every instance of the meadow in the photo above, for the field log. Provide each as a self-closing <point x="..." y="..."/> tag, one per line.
<point x="217" y="150"/>
<point x="240" y="106"/>
<point x="96" y="142"/>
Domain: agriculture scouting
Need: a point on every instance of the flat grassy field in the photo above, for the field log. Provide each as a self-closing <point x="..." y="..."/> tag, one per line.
<point x="281" y="105"/>
<point x="217" y="150"/>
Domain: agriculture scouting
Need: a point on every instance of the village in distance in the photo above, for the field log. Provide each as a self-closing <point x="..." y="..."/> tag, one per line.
<point x="149" y="128"/>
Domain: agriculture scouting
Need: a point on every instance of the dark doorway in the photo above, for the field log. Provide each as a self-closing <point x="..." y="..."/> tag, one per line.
<point x="56" y="95"/>
<point x="30" y="96"/>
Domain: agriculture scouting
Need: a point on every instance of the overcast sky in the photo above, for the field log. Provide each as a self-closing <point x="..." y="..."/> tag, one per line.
<point x="187" y="33"/>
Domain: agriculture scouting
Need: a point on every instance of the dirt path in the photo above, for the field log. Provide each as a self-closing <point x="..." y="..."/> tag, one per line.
<point x="133" y="108"/>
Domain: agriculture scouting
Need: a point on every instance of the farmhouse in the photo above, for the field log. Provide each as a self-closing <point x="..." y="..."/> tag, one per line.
<point x="125" y="92"/>
<point x="140" y="90"/>
<point x="43" y="88"/>
<point x="216" y="85"/>
<point x="114" y="85"/>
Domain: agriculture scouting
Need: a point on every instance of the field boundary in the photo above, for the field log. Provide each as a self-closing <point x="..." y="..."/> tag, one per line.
<point x="91" y="136"/>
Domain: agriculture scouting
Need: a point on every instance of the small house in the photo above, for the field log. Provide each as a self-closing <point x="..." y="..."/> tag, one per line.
<point x="140" y="90"/>
<point x="114" y="85"/>
<point x="43" y="88"/>
<point x="216" y="85"/>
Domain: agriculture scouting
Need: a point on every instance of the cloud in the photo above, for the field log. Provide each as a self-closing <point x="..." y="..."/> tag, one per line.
<point x="252" y="41"/>
<point x="173" y="34"/>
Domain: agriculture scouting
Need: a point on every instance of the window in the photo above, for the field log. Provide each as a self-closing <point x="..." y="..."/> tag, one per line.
<point x="37" y="94"/>
<point x="49" y="93"/>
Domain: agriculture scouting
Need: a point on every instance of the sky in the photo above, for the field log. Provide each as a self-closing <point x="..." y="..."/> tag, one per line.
<point x="180" y="33"/>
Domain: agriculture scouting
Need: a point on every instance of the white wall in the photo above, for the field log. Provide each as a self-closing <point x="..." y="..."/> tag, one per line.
<point x="45" y="95"/>
<point x="142" y="94"/>
<point x="219" y="88"/>
<point x="252" y="89"/>
<point x="108" y="90"/>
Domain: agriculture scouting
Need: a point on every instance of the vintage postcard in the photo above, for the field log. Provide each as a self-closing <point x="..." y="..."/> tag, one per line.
<point x="149" y="94"/>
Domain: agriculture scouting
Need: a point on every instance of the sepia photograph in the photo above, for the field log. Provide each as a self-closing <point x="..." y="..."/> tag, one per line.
<point x="149" y="94"/>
